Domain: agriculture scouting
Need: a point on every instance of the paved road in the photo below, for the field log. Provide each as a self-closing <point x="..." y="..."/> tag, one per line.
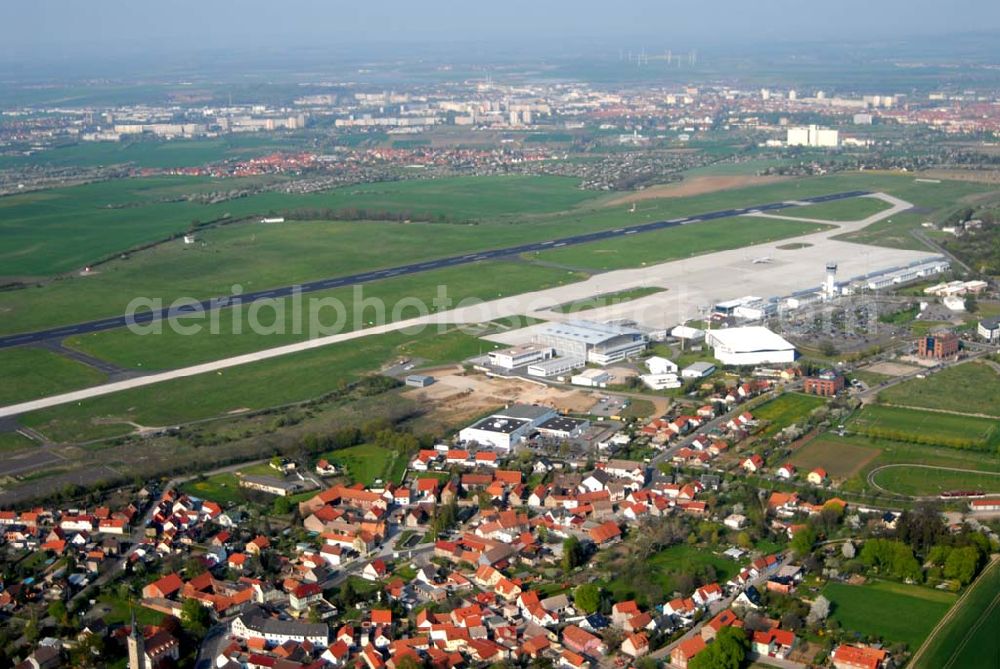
<point x="145" y="317"/>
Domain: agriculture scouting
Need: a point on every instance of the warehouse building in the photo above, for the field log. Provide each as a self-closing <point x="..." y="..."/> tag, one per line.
<point x="754" y="345"/>
<point x="592" y="378"/>
<point x="554" y="367"/>
<point x="563" y="427"/>
<point x="419" y="380"/>
<point x="506" y="429"/>
<point x="598" y="343"/>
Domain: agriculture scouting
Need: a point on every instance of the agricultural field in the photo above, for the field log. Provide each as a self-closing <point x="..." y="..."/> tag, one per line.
<point x="874" y="610"/>
<point x="607" y="299"/>
<point x="925" y="427"/>
<point x="840" y="458"/>
<point x="786" y="410"/>
<point x="276" y="382"/>
<point x="968" y="639"/>
<point x="367" y="463"/>
<point x="156" y="154"/>
<point x="29" y="373"/>
<point x="972" y="388"/>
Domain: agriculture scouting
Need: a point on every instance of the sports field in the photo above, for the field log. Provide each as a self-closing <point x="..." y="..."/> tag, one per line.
<point x="849" y="460"/>
<point x="969" y="638"/>
<point x="874" y="609"/>
<point x="786" y="410"/>
<point x="972" y="388"/>
<point x="924" y="481"/>
<point x="925" y="427"/>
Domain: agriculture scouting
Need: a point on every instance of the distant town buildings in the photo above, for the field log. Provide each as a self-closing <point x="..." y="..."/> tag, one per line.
<point x="813" y="136"/>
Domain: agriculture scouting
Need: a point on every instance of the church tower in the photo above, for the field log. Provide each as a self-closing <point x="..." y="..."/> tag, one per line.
<point x="136" y="646"/>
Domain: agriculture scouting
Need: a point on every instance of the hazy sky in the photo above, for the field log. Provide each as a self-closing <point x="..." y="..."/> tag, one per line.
<point x="60" y="28"/>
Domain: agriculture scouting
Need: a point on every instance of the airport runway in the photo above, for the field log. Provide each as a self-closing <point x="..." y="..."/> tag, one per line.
<point x="145" y="317"/>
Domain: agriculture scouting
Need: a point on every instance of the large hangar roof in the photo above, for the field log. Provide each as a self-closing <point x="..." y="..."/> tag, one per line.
<point x="748" y="339"/>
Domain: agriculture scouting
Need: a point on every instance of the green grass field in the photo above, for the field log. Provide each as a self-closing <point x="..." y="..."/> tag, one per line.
<point x="29" y="373"/>
<point x="969" y="639"/>
<point x="919" y="481"/>
<point x="288" y="379"/>
<point x="11" y="442"/>
<point x="225" y="488"/>
<point x="63" y="229"/>
<point x="973" y="388"/>
<point x="607" y="299"/>
<point x="853" y="209"/>
<point x="923" y="426"/>
<point x="220" y="488"/>
<point x="674" y="243"/>
<point x="59" y="230"/>
<point x="873" y="610"/>
<point x="786" y="410"/>
<point x="171" y="349"/>
<point x="367" y="463"/>
<point x="678" y="559"/>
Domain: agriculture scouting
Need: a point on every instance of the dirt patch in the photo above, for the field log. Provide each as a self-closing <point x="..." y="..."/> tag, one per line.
<point x="456" y="397"/>
<point x="890" y="369"/>
<point x="694" y="186"/>
<point x="978" y="176"/>
<point x="841" y="461"/>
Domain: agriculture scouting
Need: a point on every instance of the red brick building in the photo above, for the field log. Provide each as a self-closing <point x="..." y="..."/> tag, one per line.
<point x="827" y="383"/>
<point x="938" y="345"/>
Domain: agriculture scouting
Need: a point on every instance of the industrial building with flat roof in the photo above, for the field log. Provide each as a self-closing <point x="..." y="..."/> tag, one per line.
<point x="505" y="429"/>
<point x="599" y="343"/>
<point x="563" y="427"/>
<point x="520" y="356"/>
<point x="753" y="345"/>
<point x="555" y="367"/>
<point x="592" y="378"/>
